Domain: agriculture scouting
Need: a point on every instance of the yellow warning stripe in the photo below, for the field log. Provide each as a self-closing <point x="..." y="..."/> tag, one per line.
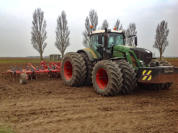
<point x="91" y="51"/>
<point x="147" y="75"/>
<point x="150" y="77"/>
<point x="144" y="77"/>
<point x="143" y="73"/>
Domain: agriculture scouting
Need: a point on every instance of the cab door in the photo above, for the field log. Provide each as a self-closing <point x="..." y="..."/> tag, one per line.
<point x="97" y="43"/>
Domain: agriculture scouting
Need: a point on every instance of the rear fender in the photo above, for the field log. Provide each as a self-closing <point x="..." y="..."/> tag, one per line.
<point x="89" y="52"/>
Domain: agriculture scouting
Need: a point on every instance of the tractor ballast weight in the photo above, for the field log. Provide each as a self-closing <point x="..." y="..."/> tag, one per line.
<point x="112" y="67"/>
<point x="157" y="75"/>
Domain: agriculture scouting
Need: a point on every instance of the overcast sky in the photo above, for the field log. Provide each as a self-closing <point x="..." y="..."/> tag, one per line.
<point x="16" y="19"/>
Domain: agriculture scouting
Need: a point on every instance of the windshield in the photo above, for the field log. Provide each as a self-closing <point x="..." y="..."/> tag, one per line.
<point x="115" y="39"/>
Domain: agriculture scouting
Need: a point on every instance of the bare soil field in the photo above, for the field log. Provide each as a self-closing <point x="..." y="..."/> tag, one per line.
<point x="48" y="106"/>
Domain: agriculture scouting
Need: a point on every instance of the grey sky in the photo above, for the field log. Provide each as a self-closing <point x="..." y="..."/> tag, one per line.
<point x="16" y="18"/>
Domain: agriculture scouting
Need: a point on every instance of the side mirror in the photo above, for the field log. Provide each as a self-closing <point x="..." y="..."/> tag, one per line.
<point x="100" y="39"/>
<point x="136" y="41"/>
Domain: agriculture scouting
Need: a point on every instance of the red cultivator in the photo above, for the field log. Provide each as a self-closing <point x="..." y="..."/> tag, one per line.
<point x="30" y="72"/>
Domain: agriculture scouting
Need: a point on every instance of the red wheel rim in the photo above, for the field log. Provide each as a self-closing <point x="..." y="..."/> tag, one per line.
<point x="67" y="70"/>
<point x="101" y="78"/>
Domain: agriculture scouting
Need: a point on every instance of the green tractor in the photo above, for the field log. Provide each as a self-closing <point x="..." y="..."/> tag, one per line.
<point x="112" y="67"/>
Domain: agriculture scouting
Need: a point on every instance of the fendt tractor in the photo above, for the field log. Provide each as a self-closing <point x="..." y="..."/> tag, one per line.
<point x="114" y="68"/>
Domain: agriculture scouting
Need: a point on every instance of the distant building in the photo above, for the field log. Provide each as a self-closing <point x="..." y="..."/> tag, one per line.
<point x="54" y="57"/>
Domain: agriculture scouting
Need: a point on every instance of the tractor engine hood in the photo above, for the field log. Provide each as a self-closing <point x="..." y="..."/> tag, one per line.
<point x="143" y="54"/>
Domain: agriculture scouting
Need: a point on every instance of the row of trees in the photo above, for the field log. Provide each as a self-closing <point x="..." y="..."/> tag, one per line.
<point x="39" y="34"/>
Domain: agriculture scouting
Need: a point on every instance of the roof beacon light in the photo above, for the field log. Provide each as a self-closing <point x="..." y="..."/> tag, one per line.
<point x="91" y="26"/>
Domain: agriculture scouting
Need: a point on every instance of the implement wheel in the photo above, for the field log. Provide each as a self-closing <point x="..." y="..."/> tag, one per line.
<point x="107" y="78"/>
<point x="73" y="70"/>
<point x="23" y="78"/>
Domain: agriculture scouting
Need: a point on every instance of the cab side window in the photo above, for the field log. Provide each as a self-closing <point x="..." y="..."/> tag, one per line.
<point x="111" y="41"/>
<point x="94" y="41"/>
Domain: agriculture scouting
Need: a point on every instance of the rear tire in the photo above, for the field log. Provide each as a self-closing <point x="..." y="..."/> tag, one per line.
<point x="89" y="68"/>
<point x="107" y="78"/>
<point x="129" y="77"/>
<point x="73" y="70"/>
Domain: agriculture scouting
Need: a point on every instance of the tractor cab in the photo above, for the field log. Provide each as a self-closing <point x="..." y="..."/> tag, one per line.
<point x="104" y="42"/>
<point x="113" y="37"/>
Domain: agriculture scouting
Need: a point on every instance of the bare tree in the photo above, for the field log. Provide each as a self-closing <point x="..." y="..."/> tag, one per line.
<point x="91" y="20"/>
<point x="86" y="32"/>
<point x="130" y="32"/>
<point x="161" y="41"/>
<point x="105" y="24"/>
<point x="118" y="26"/>
<point x="39" y="34"/>
<point x="62" y="33"/>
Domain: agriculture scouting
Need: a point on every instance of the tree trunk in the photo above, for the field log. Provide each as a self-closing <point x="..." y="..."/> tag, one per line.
<point x="160" y="54"/>
<point x="62" y="54"/>
<point x="41" y="56"/>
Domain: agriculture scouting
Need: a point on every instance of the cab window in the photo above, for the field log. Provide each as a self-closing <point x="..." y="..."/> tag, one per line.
<point x="94" y="41"/>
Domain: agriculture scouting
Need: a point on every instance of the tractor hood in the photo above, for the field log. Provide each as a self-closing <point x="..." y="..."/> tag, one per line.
<point x="143" y="54"/>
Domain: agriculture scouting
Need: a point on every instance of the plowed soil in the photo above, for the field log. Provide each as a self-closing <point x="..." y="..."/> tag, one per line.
<point x="48" y="106"/>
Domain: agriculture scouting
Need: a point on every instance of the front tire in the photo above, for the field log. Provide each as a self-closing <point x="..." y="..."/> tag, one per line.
<point x="129" y="77"/>
<point x="107" y="78"/>
<point x="73" y="70"/>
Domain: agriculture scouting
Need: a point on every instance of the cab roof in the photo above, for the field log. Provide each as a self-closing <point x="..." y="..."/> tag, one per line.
<point x="102" y="31"/>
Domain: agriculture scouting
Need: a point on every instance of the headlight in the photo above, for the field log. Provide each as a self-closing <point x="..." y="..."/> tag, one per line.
<point x="142" y="63"/>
